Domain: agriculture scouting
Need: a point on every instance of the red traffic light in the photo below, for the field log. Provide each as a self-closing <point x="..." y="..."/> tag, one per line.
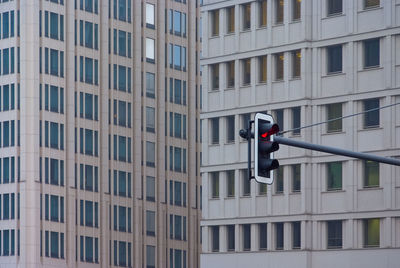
<point x="268" y="129"/>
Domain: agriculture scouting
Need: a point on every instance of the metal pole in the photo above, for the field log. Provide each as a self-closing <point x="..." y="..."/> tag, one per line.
<point x="338" y="151"/>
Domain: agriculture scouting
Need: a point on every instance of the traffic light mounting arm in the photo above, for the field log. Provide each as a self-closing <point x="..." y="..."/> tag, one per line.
<point x="248" y="135"/>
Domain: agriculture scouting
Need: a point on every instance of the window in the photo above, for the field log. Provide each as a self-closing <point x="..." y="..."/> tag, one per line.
<point x="279" y="180"/>
<point x="334" y="232"/>
<point x="262" y="232"/>
<point x="150" y="188"/>
<point x="246" y="63"/>
<point x="150" y="257"/>
<point x="150" y="15"/>
<point x="246" y="16"/>
<point x="150" y="54"/>
<point x="334" y="111"/>
<point x="214" y="73"/>
<point x="230" y="129"/>
<point x="279" y="58"/>
<point x="296" y="62"/>
<point x="150" y="154"/>
<point x="150" y="223"/>
<point x="214" y="184"/>
<point x="262" y="188"/>
<point x="296" y="176"/>
<point x="262" y="13"/>
<point x="230" y="74"/>
<point x="214" y="22"/>
<point x="371" y="232"/>
<point x="215" y="238"/>
<point x="334" y="175"/>
<point x="150" y="119"/>
<point x="334" y="58"/>
<point x="245" y="183"/>
<point x="214" y="130"/>
<point x="150" y="85"/>
<point x="296" y="10"/>
<point x="296" y="116"/>
<point x="296" y="235"/>
<point x="231" y="237"/>
<point x="245" y="120"/>
<point x="371" y="119"/>
<point x="230" y="183"/>
<point x="279" y="4"/>
<point x="335" y="7"/>
<point x="262" y="65"/>
<point x="279" y="236"/>
<point x="371" y="53"/>
<point x="371" y="3"/>
<point x="177" y="22"/>
<point x="371" y="174"/>
<point x="230" y="23"/>
<point x="246" y="237"/>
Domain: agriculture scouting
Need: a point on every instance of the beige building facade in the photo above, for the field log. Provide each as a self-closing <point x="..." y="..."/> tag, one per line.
<point x="99" y="156"/>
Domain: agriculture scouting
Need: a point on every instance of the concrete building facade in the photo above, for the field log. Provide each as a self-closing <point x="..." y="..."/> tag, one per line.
<point x="304" y="62"/>
<point x="99" y="162"/>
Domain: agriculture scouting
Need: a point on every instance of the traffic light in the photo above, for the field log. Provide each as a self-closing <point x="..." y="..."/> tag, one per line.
<point x="264" y="146"/>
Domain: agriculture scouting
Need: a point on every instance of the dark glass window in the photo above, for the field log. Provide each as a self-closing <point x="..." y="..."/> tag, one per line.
<point x="334" y="234"/>
<point x="335" y="7"/>
<point x="371" y="53"/>
<point x="371" y="119"/>
<point x="279" y="236"/>
<point x="231" y="237"/>
<point x="334" y="170"/>
<point x="262" y="231"/>
<point x="246" y="237"/>
<point x="335" y="59"/>
<point x="296" y="233"/>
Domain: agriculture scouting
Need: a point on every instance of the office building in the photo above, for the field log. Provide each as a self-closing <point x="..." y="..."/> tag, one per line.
<point x="98" y="98"/>
<point x="304" y="62"/>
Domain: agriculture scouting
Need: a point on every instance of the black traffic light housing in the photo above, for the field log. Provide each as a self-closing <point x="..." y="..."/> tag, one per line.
<point x="264" y="148"/>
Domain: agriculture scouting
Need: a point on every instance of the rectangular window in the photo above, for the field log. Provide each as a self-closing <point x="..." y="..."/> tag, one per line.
<point x="334" y="176"/>
<point x="262" y="188"/>
<point x="334" y="111"/>
<point x="231" y="237"/>
<point x="335" y="7"/>
<point x="150" y="52"/>
<point x="296" y="178"/>
<point x="279" y="5"/>
<point x="371" y="3"/>
<point x="262" y="232"/>
<point x="230" y="183"/>
<point x="214" y="130"/>
<point x="246" y="237"/>
<point x="262" y="68"/>
<point x="150" y="154"/>
<point x="246" y="65"/>
<point x="279" y="236"/>
<point x="177" y="22"/>
<point x="215" y="238"/>
<point x="371" y="174"/>
<point x="262" y="13"/>
<point x="245" y="183"/>
<point x="214" y="22"/>
<point x="150" y="223"/>
<point x="150" y="257"/>
<point x="150" y="119"/>
<point x="230" y="19"/>
<point x="296" y="10"/>
<point x="150" y="188"/>
<point x="150" y="85"/>
<point x="371" y="232"/>
<point x="246" y="16"/>
<point x="279" y="180"/>
<point x="296" y="117"/>
<point x="214" y="73"/>
<point x="279" y="58"/>
<point x="230" y="129"/>
<point x="214" y="184"/>
<point x="296" y="235"/>
<point x="230" y="74"/>
<point x="334" y="59"/>
<point x="296" y="62"/>
<point x="334" y="232"/>
<point x="371" y="53"/>
<point x="150" y="15"/>
<point x="371" y="118"/>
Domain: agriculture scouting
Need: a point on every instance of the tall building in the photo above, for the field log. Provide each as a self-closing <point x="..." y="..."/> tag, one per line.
<point x="304" y="62"/>
<point x="98" y="156"/>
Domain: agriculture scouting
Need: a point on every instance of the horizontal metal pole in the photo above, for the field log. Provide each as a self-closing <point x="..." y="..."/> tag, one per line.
<point x="338" y="151"/>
